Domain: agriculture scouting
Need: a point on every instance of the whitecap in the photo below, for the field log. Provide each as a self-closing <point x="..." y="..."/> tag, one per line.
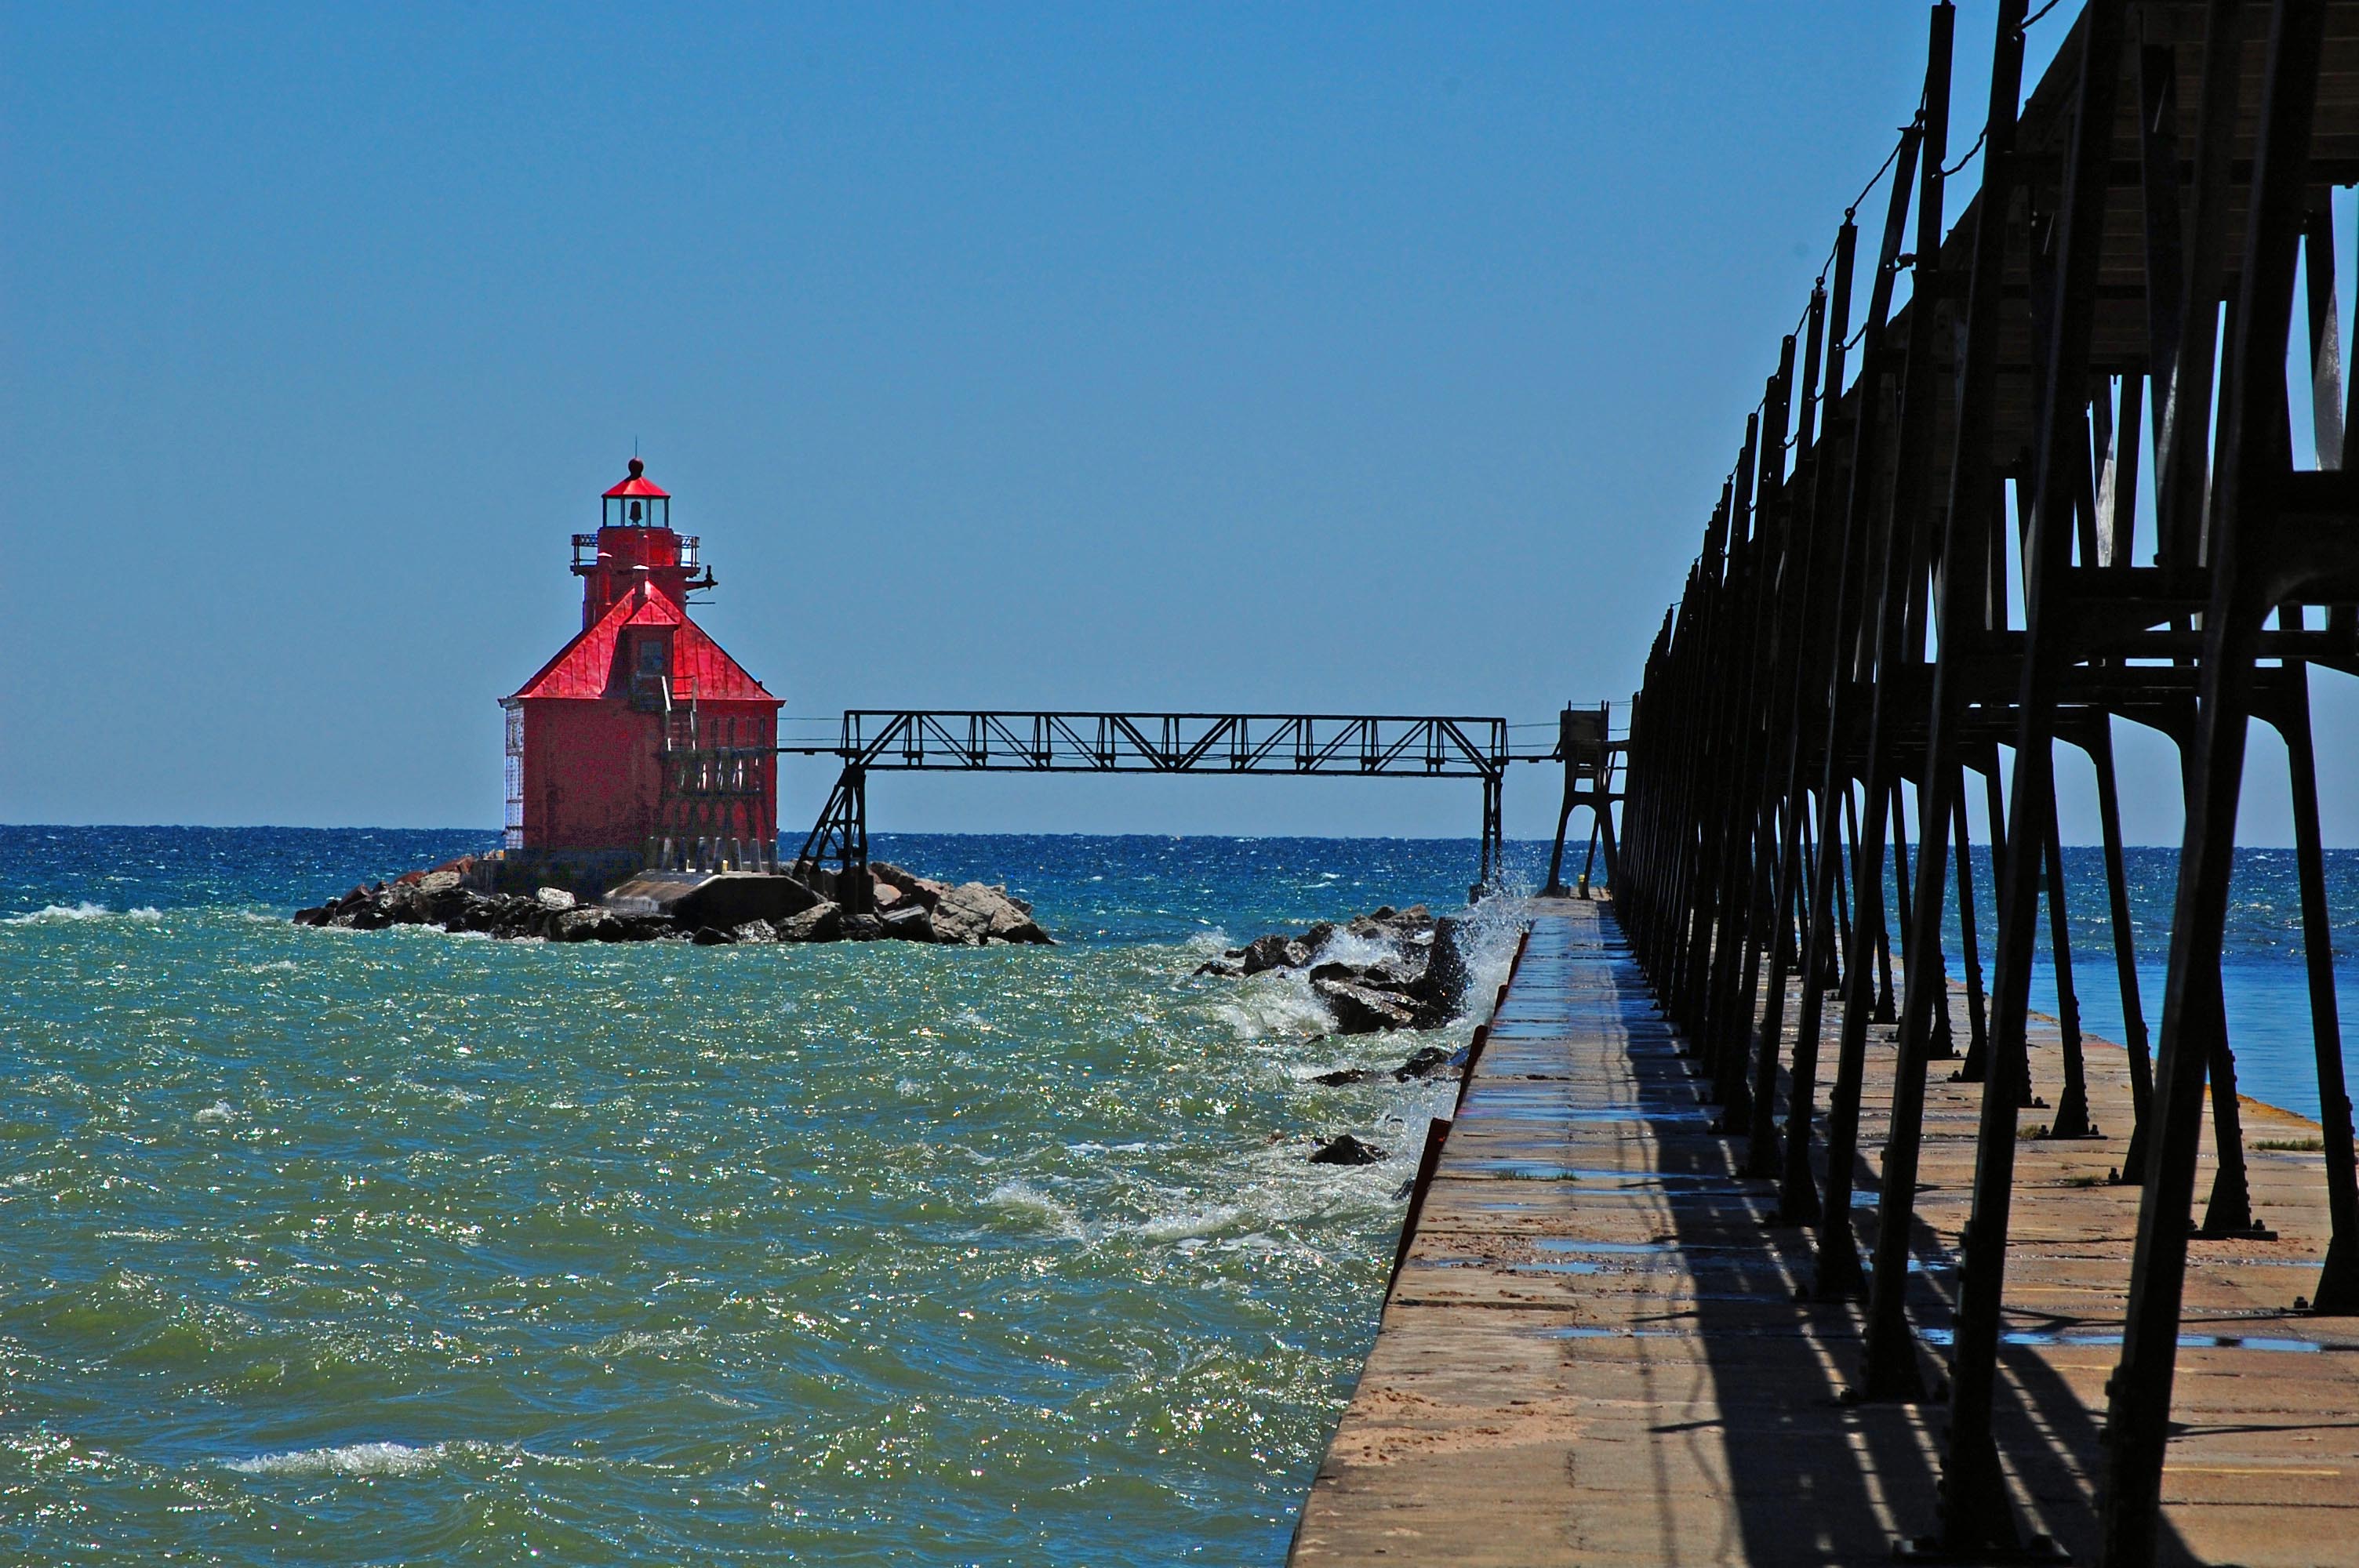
<point x="1024" y="1198"/>
<point x="56" y="913"/>
<point x="632" y="1341"/>
<point x="51" y="914"/>
<point x="351" y="1459"/>
<point x="215" y="1114"/>
<point x="1191" y="1224"/>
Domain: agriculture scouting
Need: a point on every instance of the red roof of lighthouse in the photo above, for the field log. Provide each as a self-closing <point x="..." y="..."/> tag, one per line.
<point x="635" y="485"/>
<point x="699" y="667"/>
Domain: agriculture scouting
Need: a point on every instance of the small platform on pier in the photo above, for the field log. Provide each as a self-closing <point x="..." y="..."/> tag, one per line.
<point x="1595" y="1352"/>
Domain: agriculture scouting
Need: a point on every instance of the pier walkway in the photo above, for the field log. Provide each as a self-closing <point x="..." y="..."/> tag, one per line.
<point x="1595" y="1353"/>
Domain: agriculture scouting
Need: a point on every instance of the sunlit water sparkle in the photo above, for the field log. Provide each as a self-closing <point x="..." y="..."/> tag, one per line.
<point x="401" y="1247"/>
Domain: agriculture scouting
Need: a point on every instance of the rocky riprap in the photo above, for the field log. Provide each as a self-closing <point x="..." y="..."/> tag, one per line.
<point x="1419" y="983"/>
<point x="908" y="908"/>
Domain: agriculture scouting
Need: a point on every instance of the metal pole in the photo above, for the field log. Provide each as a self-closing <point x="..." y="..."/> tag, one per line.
<point x="1798" y="1198"/>
<point x="2251" y="446"/>
<point x="2338" y="1284"/>
<point x="2071" y="1118"/>
<point x="1975" y="1509"/>
<point x="1890" y="1369"/>
<point x="2099" y="744"/>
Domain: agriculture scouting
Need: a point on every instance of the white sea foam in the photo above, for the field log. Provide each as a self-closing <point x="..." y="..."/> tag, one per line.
<point x="1193" y="1224"/>
<point x="351" y="1459"/>
<point x="215" y="1114"/>
<point x="633" y="1341"/>
<point x="449" y="1094"/>
<point x="368" y="1459"/>
<point x="59" y="912"/>
<point x="1349" y="947"/>
<point x="1022" y="1199"/>
<point x="1277" y="1004"/>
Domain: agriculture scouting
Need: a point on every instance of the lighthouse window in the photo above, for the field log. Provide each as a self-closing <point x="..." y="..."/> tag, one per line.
<point x="651" y="656"/>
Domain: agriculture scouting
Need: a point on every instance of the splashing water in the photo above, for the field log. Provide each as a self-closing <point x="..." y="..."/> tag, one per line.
<point x="341" y="1247"/>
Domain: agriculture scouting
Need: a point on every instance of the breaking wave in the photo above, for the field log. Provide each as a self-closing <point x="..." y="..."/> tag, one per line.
<point x="351" y="1459"/>
<point x="56" y="913"/>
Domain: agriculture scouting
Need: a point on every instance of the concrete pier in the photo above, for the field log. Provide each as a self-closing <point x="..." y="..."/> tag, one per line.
<point x="1595" y="1354"/>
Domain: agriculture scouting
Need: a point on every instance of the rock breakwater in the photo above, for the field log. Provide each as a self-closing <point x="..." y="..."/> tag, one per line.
<point x="906" y="908"/>
<point x="1411" y="972"/>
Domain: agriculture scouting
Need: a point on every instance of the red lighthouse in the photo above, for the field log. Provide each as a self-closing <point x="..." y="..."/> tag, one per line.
<point x="641" y="728"/>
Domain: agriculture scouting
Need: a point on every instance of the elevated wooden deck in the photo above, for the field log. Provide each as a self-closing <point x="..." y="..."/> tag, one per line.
<point x="1595" y="1354"/>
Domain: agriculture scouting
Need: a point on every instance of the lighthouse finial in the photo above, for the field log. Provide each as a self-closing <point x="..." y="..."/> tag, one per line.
<point x="638" y="468"/>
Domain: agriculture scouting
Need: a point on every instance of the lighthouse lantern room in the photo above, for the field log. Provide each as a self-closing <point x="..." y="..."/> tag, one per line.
<point x="642" y="727"/>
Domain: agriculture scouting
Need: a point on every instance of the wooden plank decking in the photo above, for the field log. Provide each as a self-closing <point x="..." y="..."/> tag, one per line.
<point x="1595" y="1354"/>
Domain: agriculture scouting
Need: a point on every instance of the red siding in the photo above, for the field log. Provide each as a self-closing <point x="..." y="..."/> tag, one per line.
<point x="593" y="777"/>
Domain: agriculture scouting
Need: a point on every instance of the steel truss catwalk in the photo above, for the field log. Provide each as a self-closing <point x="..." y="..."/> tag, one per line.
<point x="1333" y="745"/>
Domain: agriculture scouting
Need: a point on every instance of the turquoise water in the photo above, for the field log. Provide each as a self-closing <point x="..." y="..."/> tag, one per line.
<point x="351" y="1248"/>
<point x="400" y="1246"/>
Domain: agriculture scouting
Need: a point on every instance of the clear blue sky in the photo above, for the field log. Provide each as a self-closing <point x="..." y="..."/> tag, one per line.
<point x="1361" y="357"/>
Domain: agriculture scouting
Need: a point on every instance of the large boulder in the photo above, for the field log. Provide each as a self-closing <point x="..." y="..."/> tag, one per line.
<point x="904" y="884"/>
<point x="906" y="920"/>
<point x="1425" y="1062"/>
<point x="1363" y="1009"/>
<point x="822" y="922"/>
<point x="1346" y="1150"/>
<point x="591" y="924"/>
<point x="1441" y="990"/>
<point x="1342" y="1076"/>
<point x="1272" y="952"/>
<point x="478" y="912"/>
<point x="1383" y="977"/>
<point x="973" y="915"/>
<point x="718" y="899"/>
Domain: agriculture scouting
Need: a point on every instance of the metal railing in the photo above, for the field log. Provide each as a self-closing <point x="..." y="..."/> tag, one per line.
<point x="585" y="551"/>
<point x="1358" y="745"/>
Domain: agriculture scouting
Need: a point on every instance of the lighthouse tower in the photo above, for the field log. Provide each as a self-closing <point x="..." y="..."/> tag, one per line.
<point x="641" y="728"/>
